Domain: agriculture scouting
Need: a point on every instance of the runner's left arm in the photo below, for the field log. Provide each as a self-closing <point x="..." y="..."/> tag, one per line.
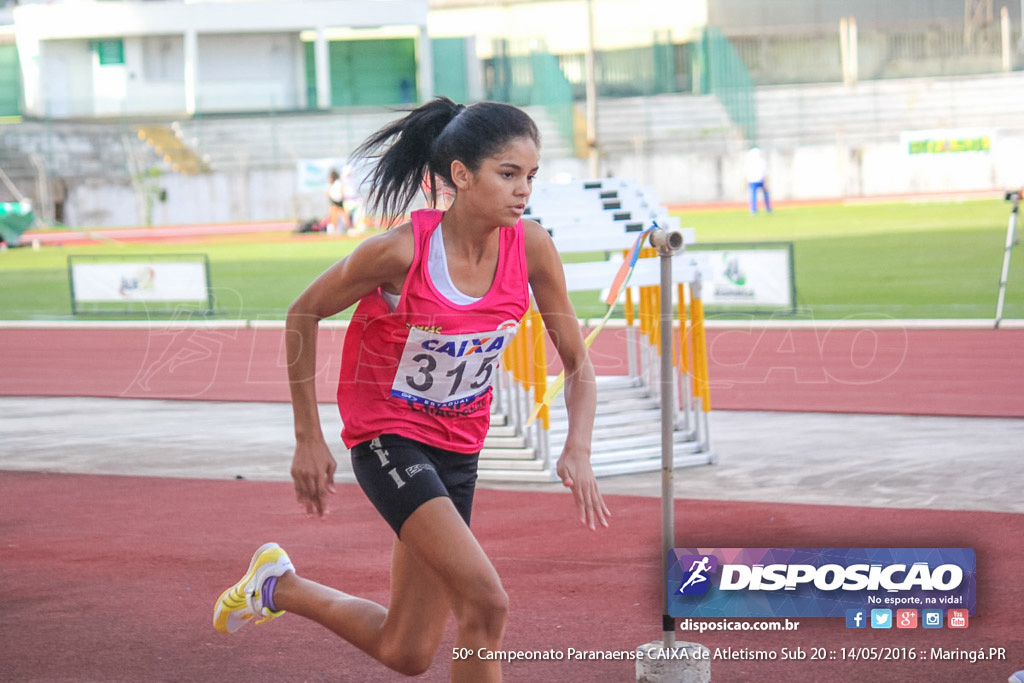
<point x="547" y="280"/>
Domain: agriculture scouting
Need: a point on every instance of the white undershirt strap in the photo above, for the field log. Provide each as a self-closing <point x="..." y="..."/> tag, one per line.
<point x="437" y="269"/>
<point x="437" y="266"/>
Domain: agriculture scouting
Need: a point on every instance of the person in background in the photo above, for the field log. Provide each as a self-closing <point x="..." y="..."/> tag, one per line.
<point x="756" y="170"/>
<point x="337" y="217"/>
<point x="353" y="209"/>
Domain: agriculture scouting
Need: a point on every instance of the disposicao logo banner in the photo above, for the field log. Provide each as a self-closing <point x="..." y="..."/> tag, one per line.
<point x="817" y="582"/>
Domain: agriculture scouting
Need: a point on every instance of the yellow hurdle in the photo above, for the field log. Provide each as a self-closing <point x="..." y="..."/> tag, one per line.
<point x="656" y="318"/>
<point x="647" y="313"/>
<point x="539" y="359"/>
<point x="526" y="360"/>
<point x="523" y="353"/>
<point x="689" y="352"/>
<point x="526" y="356"/>
<point x="683" y="349"/>
<point x="701" y="385"/>
<point x="528" y="353"/>
<point x="629" y="307"/>
<point x="689" y="344"/>
<point x="513" y="359"/>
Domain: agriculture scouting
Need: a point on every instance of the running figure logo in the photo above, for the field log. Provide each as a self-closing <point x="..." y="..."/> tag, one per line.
<point x="695" y="580"/>
<point x="732" y="270"/>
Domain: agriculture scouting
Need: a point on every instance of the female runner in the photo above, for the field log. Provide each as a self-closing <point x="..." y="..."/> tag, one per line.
<point x="439" y="298"/>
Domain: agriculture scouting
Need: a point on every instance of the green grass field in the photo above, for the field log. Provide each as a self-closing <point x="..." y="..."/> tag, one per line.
<point x="905" y="260"/>
<point x="901" y="260"/>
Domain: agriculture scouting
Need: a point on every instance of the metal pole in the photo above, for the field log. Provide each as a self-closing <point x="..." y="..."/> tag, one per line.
<point x="844" y="49"/>
<point x="854" y="57"/>
<point x="1011" y="240"/>
<point x="1004" y="38"/>
<point x="591" y="93"/>
<point x="667" y="243"/>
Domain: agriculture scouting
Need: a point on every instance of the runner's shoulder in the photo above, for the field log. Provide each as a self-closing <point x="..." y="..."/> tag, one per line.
<point x="390" y="251"/>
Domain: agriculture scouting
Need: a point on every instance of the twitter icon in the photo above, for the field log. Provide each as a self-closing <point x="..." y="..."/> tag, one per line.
<point x="881" y="618"/>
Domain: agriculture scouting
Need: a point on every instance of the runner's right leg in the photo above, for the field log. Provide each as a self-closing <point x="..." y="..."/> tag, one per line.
<point x="438" y="567"/>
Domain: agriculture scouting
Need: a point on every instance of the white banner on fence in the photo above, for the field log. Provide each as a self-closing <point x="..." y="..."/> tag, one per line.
<point x="311" y="174"/>
<point x="748" y="277"/>
<point x="118" y="281"/>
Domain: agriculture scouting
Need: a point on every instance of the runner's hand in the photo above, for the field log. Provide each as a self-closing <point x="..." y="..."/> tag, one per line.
<point x="313" y="468"/>
<point x="577" y="474"/>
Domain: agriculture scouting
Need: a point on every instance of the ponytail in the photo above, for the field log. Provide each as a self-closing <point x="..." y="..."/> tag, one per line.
<point x="426" y="141"/>
<point x="402" y="149"/>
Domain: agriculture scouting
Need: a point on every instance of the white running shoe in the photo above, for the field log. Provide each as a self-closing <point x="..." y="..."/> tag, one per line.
<point x="238" y="605"/>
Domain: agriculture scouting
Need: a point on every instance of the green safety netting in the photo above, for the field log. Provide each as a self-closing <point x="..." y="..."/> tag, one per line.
<point x="15" y="218"/>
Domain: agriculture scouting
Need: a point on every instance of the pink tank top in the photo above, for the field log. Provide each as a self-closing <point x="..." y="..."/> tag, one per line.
<point x="424" y="371"/>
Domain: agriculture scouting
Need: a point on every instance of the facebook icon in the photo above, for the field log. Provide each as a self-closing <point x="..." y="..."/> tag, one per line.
<point x="856" y="618"/>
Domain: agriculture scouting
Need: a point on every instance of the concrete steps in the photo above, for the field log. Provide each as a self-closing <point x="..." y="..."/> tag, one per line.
<point x="168" y="146"/>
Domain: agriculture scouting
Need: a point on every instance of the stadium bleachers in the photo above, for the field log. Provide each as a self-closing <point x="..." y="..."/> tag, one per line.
<point x="70" y="149"/>
<point x="867" y="113"/>
<point x="668" y="122"/>
<point x="279" y="141"/>
<point x="788" y="115"/>
<point x="875" y="111"/>
<point x="231" y="143"/>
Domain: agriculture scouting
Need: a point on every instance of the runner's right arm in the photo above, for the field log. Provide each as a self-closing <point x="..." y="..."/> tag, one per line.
<point x="380" y="261"/>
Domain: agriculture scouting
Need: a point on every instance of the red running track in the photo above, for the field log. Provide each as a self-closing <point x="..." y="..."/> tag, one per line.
<point x="113" y="579"/>
<point x="967" y="372"/>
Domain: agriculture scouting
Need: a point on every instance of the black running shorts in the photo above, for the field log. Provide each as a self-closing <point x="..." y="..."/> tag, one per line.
<point x="400" y="474"/>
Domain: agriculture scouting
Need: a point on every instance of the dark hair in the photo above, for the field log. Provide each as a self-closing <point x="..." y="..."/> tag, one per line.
<point x="428" y="139"/>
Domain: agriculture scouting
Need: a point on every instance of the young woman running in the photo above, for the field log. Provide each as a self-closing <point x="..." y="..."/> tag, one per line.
<point x="439" y="298"/>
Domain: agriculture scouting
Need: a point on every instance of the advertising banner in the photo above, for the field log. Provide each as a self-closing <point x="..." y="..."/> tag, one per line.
<point x="139" y="280"/>
<point x="747" y="277"/>
<point x="822" y="582"/>
<point x="947" y="141"/>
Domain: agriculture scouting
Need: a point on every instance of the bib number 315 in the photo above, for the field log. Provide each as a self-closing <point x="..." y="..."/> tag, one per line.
<point x="448" y="369"/>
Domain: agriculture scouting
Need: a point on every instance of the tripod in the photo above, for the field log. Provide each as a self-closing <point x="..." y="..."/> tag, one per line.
<point x="1011" y="241"/>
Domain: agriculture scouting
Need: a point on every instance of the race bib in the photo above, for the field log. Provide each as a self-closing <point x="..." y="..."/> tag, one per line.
<point x="444" y="370"/>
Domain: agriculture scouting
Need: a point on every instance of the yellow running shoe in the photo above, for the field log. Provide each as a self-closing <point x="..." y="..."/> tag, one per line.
<point x="238" y="605"/>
